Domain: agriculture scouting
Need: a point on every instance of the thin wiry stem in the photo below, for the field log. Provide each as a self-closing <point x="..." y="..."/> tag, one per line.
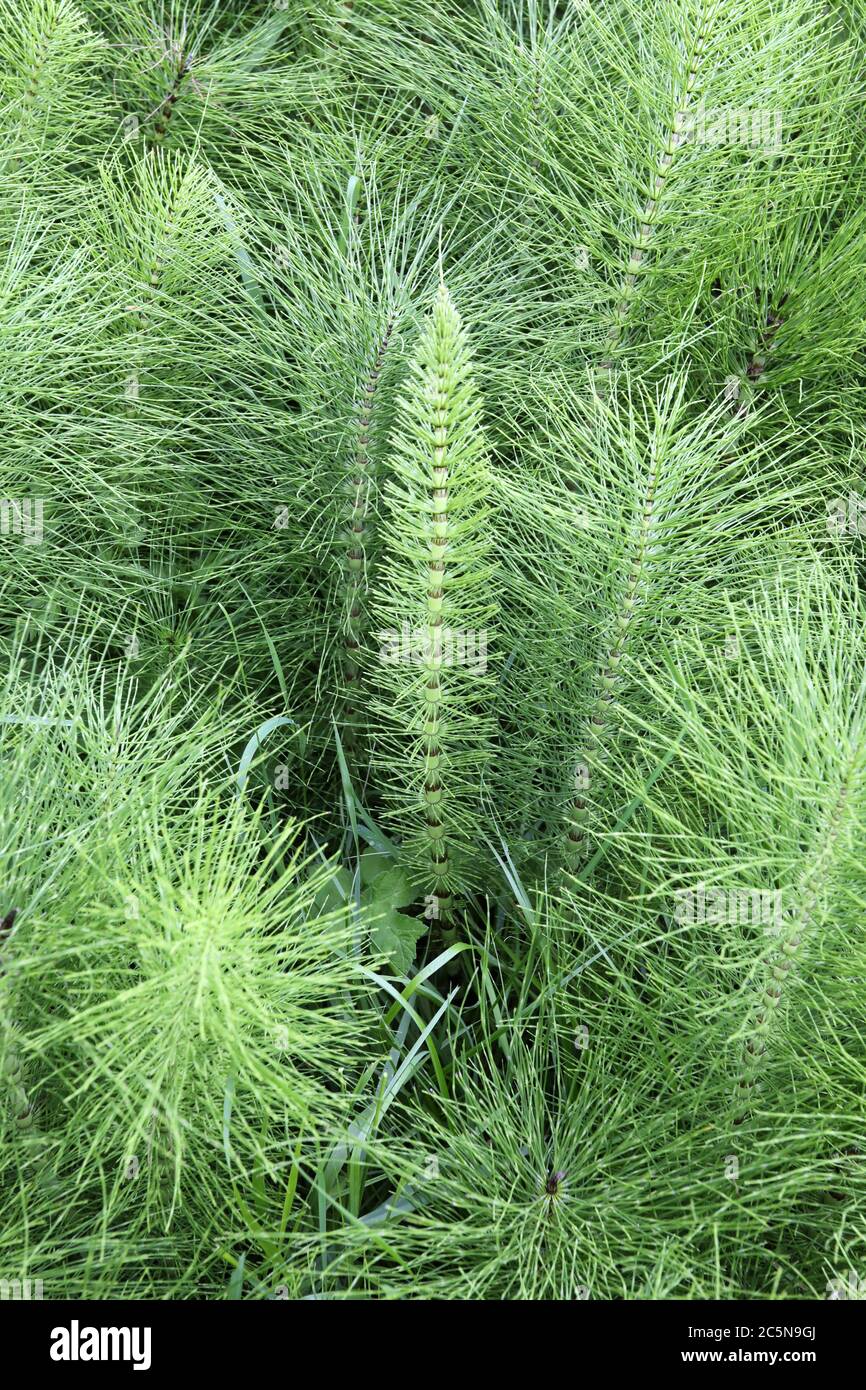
<point x="608" y="675"/>
<point x="646" y="225"/>
<point x="794" y="933"/>
<point x="362" y="485"/>
<point x="166" y="106"/>
<point x="757" y="365"/>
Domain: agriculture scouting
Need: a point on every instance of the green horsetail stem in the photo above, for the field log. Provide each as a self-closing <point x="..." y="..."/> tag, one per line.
<point x="447" y="330"/>
<point x="794" y="933"/>
<point x="607" y="678"/>
<point x="647" y="222"/>
<point x="436" y="729"/>
<point x="361" y="487"/>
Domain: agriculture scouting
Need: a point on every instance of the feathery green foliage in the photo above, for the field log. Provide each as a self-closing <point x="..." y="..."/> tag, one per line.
<point x="437" y="599"/>
<point x="432" y="720"/>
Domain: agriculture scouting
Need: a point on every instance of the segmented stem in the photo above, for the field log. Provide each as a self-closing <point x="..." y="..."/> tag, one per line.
<point x="360" y="486"/>
<point x="757" y="365"/>
<point x="607" y="678"/>
<point x="436" y="711"/>
<point x="794" y="932"/>
<point x="434" y="794"/>
<point x="645" y="228"/>
<point x="167" y="105"/>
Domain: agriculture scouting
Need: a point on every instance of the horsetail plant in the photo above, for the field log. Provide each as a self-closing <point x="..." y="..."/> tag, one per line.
<point x="435" y="602"/>
<point x="432" y="719"/>
<point x="362" y="487"/>
<point x="642" y="234"/>
<point x="653" y="507"/>
<point x="767" y="794"/>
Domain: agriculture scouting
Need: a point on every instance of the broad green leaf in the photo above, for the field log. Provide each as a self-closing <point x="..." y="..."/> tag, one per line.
<point x="396" y="935"/>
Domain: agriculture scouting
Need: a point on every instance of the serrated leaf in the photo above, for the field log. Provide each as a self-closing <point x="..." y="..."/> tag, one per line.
<point x="373" y="864"/>
<point x="391" y="888"/>
<point x="396" y="936"/>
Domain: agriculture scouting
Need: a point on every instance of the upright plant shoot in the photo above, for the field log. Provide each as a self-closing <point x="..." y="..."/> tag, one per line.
<point x="434" y="606"/>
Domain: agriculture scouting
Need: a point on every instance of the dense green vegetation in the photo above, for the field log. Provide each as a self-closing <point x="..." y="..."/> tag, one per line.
<point x="433" y="729"/>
